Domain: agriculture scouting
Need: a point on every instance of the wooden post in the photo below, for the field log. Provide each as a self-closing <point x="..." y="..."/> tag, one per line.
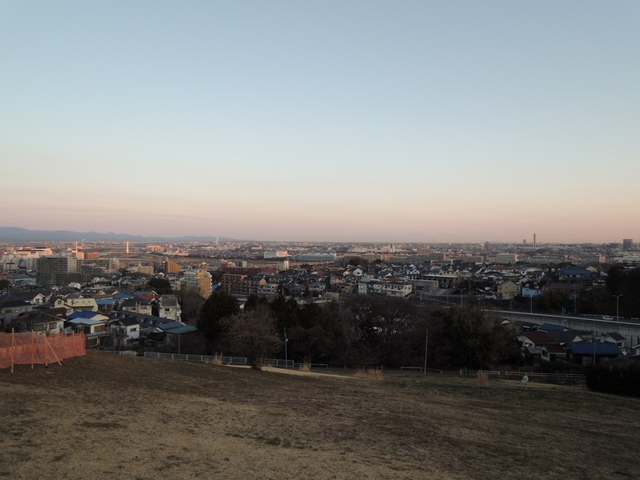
<point x="52" y="351"/>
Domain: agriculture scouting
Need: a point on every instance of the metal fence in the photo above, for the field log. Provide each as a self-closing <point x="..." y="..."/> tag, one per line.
<point x="575" y="376"/>
<point x="520" y="374"/>
<point x="278" y="362"/>
<point x="272" y="362"/>
<point x="419" y="369"/>
<point x="198" y="358"/>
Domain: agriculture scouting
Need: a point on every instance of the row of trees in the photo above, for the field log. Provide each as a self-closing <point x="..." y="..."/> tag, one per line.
<point x="622" y="293"/>
<point x="362" y="331"/>
<point x="616" y="380"/>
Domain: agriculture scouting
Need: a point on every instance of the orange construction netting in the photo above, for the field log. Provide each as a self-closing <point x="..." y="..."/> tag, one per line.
<point x="30" y="348"/>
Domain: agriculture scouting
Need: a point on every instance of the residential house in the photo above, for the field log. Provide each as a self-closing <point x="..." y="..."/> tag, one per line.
<point x="615" y="337"/>
<point x="34" y="298"/>
<point x="565" y="336"/>
<point x="394" y="287"/>
<point x="585" y="353"/>
<point x="77" y="304"/>
<point x="137" y="305"/>
<point x="95" y="329"/>
<point x="169" y="307"/>
<point x="553" y="352"/>
<point x="126" y="331"/>
<point x="507" y="290"/>
<point x="532" y="343"/>
<point x="173" y="337"/>
<point x="11" y="308"/>
<point x="550" y="327"/>
<point x="39" y="322"/>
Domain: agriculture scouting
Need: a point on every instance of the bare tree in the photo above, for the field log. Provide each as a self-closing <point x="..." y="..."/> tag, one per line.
<point x="253" y="334"/>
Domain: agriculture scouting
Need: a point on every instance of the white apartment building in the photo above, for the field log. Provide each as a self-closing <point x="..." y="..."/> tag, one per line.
<point x="271" y="254"/>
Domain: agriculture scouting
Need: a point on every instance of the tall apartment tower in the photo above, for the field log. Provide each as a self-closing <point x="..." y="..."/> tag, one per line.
<point x="55" y="270"/>
<point x="627" y="243"/>
<point x="199" y="280"/>
<point x="171" y="267"/>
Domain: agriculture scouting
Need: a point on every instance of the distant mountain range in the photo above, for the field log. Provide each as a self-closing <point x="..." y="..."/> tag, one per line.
<point x="15" y="234"/>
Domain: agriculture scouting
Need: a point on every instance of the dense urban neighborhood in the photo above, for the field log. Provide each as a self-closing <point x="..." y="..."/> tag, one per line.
<point x="475" y="306"/>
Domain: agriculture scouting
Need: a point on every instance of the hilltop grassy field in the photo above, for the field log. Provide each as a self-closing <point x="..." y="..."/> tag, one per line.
<point x="105" y="416"/>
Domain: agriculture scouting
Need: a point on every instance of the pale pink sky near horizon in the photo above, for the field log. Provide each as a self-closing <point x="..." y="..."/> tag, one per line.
<point x="337" y="121"/>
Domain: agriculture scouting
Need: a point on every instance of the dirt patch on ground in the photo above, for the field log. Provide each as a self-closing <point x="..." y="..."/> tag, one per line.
<point x="302" y="373"/>
<point x="105" y="416"/>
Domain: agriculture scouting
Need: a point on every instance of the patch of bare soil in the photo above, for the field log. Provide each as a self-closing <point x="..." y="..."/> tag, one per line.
<point x="105" y="416"/>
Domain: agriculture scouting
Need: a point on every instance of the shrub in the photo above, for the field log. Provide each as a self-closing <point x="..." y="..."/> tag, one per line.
<point x="305" y="366"/>
<point x="360" y="373"/>
<point x="217" y="359"/>
<point x="482" y="379"/>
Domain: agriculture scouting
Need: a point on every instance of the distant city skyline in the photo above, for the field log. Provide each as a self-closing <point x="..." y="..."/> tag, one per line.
<point x="332" y="121"/>
<point x="63" y="235"/>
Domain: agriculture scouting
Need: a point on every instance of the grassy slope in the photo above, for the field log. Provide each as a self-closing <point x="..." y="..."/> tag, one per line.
<point x="107" y="416"/>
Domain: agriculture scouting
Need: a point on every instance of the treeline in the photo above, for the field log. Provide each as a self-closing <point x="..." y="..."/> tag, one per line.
<point x="616" y="380"/>
<point x="362" y="331"/>
<point x="622" y="293"/>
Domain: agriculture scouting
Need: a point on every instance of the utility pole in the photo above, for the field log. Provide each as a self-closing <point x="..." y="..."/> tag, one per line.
<point x="426" y="346"/>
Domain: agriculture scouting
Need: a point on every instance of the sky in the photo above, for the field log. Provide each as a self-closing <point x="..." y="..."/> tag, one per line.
<point x="413" y="121"/>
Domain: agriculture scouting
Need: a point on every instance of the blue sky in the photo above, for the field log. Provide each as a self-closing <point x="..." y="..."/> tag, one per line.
<point x="390" y="121"/>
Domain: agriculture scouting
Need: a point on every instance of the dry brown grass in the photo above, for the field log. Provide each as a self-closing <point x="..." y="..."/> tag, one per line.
<point x="217" y="359"/>
<point x="371" y="373"/>
<point x="135" y="417"/>
<point x="482" y="379"/>
<point x="361" y="373"/>
<point x="305" y="366"/>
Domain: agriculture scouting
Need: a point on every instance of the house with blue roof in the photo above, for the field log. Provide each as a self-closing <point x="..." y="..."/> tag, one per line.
<point x="586" y="353"/>
<point x="550" y="327"/>
<point x="575" y="275"/>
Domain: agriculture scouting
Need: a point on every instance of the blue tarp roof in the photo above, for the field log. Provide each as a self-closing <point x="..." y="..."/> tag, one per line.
<point x="82" y="314"/>
<point x="122" y="295"/>
<point x="587" y="348"/>
<point x="550" y="327"/>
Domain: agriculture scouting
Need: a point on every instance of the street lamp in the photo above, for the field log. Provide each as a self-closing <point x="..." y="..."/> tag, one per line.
<point x="618" y="307"/>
